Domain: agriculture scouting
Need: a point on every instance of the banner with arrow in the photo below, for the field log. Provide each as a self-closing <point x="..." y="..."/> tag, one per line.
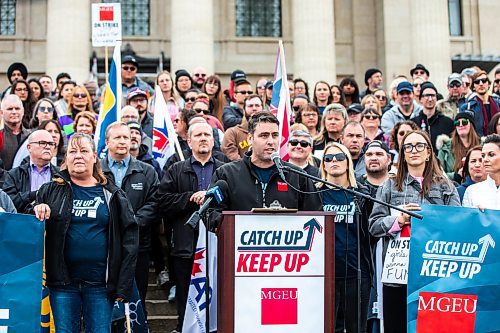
<point x="453" y="281"/>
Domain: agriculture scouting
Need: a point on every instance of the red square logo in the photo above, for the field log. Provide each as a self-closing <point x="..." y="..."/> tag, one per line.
<point x="282" y="186"/>
<point x="106" y="13"/>
<point x="279" y="306"/>
<point x="446" y="313"/>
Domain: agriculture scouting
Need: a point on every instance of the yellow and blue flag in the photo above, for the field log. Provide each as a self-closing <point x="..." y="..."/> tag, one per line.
<point x="111" y="102"/>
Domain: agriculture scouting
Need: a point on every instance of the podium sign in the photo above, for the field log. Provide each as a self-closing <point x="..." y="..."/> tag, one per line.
<point x="281" y="273"/>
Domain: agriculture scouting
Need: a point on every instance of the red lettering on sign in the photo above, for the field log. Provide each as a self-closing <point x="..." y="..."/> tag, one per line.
<point x="258" y="262"/>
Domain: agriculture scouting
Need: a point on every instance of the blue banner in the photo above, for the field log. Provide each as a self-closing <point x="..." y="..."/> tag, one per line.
<point x="21" y="248"/>
<point x="454" y="283"/>
<point x="138" y="322"/>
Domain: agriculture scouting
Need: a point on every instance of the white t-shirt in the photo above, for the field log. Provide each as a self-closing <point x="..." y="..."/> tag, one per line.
<point x="485" y="194"/>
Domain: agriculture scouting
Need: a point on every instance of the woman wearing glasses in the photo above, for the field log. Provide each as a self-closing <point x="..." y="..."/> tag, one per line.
<point x="451" y="152"/>
<point x="370" y="120"/>
<point x="44" y="110"/>
<point x="419" y="180"/>
<point x="309" y="116"/>
<point x="22" y="89"/>
<point x="351" y="232"/>
<point x="52" y="126"/>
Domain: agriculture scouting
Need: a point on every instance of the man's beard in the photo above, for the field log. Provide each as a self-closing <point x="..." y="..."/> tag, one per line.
<point x="134" y="146"/>
<point x="376" y="171"/>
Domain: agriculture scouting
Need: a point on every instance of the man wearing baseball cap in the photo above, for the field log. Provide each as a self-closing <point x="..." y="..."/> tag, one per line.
<point x="404" y="109"/>
<point x="450" y="106"/>
<point x="138" y="98"/>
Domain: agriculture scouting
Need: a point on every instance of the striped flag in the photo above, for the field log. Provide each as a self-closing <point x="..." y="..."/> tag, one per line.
<point x="280" y="101"/>
<point x="196" y="307"/>
<point x="164" y="136"/>
<point x="111" y="103"/>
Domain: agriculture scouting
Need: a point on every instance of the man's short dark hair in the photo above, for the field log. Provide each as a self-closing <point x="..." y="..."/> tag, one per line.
<point x="261" y="117"/>
<point x="251" y="97"/>
<point x="493" y="138"/>
<point x="62" y="75"/>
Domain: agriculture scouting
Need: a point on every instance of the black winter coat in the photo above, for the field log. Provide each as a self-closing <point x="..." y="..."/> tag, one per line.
<point x="245" y="190"/>
<point x="140" y="184"/>
<point x="123" y="235"/>
<point x="436" y="125"/>
<point x="178" y="184"/>
<point x="17" y="185"/>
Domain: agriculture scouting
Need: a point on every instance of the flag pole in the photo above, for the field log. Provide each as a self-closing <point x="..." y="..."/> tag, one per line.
<point x="283" y="75"/>
<point x="127" y="317"/>
<point x="106" y="65"/>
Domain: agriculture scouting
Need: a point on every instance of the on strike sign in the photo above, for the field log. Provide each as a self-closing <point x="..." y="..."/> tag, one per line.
<point x="106" y="24"/>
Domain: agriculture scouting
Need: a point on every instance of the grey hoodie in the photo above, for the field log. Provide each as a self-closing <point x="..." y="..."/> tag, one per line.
<point x="394" y="116"/>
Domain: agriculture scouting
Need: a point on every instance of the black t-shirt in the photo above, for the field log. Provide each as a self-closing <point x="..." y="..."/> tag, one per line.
<point x="86" y="248"/>
<point x="346" y="240"/>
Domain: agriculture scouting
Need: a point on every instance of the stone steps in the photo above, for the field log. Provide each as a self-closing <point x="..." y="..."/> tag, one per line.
<point x="162" y="314"/>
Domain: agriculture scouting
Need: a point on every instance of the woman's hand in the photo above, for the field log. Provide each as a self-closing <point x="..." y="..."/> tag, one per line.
<point x="405" y="219"/>
<point x="42" y="212"/>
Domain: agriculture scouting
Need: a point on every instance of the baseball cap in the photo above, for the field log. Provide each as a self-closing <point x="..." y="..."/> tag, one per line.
<point x="238" y="75"/>
<point x="378" y="144"/>
<point x="136" y="91"/>
<point x="355" y="107"/>
<point x="134" y="125"/>
<point x="404" y="86"/>
<point x="130" y="59"/>
<point x="455" y="77"/>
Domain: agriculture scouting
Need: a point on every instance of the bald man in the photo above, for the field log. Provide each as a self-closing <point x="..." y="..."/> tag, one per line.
<point x="22" y="183"/>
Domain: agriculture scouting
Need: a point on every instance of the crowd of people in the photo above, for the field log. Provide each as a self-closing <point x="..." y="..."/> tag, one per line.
<point x="408" y="145"/>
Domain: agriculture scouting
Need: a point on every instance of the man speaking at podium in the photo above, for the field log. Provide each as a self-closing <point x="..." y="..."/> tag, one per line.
<point x="254" y="181"/>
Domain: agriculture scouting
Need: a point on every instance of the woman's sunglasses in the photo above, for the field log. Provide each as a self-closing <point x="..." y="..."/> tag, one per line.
<point x="295" y="143"/>
<point x="338" y="157"/>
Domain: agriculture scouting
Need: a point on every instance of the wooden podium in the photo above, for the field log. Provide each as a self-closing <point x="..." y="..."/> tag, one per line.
<point x="276" y="272"/>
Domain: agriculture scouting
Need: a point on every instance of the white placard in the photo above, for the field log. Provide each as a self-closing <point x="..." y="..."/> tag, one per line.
<point x="277" y="245"/>
<point x="106" y="24"/>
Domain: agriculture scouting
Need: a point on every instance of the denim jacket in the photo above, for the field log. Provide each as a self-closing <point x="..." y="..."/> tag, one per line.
<point x="381" y="220"/>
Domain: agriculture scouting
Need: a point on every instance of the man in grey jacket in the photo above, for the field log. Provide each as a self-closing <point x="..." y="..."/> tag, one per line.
<point x="404" y="109"/>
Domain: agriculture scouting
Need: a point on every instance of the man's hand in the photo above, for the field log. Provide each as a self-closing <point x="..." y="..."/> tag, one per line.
<point x="198" y="197"/>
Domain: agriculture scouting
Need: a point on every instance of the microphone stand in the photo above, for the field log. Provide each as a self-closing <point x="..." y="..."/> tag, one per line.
<point x="356" y="194"/>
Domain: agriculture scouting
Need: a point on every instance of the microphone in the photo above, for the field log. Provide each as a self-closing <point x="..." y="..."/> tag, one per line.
<point x="279" y="164"/>
<point x="216" y="193"/>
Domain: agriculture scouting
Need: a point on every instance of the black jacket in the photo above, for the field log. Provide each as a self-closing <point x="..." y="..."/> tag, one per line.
<point x="436" y="125"/>
<point x="178" y="184"/>
<point x="146" y="157"/>
<point x="140" y="184"/>
<point x="123" y="235"/>
<point x="245" y="190"/>
<point x="17" y="185"/>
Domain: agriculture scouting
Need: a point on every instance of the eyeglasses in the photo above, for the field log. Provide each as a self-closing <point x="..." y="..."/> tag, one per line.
<point x="429" y="96"/>
<point x="497" y="81"/>
<point x="311" y="115"/>
<point x="45" y="144"/>
<point x="461" y="122"/>
<point x="21" y="89"/>
<point x="176" y="120"/>
<point x="296" y="108"/>
<point x="371" y="116"/>
<point x="300" y="88"/>
<point x="243" y="92"/>
<point x="380" y="97"/>
<point x="338" y="157"/>
<point x="190" y="99"/>
<point x="198" y="110"/>
<point x="419" y="147"/>
<point x="455" y="85"/>
<point x="419" y="72"/>
<point x="46" y="109"/>
<point x="295" y="143"/>
<point x="261" y="87"/>
<point x="79" y="95"/>
<point x="417" y="85"/>
<point x="483" y="80"/>
<point x="129" y="68"/>
<point x="200" y="75"/>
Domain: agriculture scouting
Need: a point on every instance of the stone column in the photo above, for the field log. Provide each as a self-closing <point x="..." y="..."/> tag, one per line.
<point x="192" y="35"/>
<point x="314" y="41"/>
<point x="68" y="38"/>
<point x="431" y="39"/>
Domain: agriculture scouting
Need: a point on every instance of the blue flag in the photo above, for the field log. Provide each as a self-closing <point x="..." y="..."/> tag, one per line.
<point x="453" y="281"/>
<point x="138" y="322"/>
<point x="21" y="248"/>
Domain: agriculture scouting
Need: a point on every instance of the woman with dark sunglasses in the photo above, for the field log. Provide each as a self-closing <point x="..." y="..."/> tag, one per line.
<point x="451" y="152"/>
<point x="419" y="180"/>
<point x="370" y="121"/>
<point x="44" y="110"/>
<point x="352" y="240"/>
